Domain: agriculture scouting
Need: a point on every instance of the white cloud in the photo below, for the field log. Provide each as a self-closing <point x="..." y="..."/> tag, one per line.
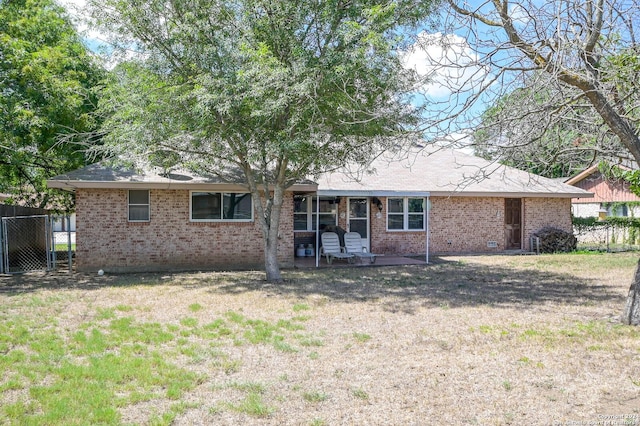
<point x="446" y="63"/>
<point x="77" y="9"/>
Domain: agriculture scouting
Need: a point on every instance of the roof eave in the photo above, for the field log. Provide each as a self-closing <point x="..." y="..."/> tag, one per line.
<point x="70" y="185"/>
<point x="370" y="193"/>
<point x="512" y="194"/>
<point x="583" y="174"/>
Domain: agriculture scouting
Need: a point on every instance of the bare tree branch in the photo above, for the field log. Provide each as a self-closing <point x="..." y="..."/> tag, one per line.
<point x="544" y="78"/>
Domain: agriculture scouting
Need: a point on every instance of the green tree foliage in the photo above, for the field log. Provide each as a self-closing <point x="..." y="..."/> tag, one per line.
<point x="273" y="91"/>
<point x="46" y="81"/>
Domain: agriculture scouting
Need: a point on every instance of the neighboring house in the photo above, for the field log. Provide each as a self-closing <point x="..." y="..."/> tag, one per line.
<point x="64" y="223"/>
<point x="446" y="202"/>
<point x="612" y="195"/>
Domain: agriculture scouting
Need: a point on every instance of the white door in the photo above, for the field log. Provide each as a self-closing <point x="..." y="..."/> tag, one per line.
<point x="358" y="219"/>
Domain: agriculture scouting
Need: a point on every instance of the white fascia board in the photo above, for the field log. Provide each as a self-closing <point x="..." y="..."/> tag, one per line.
<point x="347" y="193"/>
<point x="513" y="194"/>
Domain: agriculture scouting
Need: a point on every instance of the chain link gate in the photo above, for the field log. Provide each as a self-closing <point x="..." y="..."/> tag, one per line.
<point x="26" y="244"/>
<point x="64" y="242"/>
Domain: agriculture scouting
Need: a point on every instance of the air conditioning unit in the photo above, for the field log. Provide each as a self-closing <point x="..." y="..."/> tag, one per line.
<point x="492" y="244"/>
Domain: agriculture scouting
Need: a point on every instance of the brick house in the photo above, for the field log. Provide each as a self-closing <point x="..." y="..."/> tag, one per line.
<point x="612" y="195"/>
<point x="445" y="202"/>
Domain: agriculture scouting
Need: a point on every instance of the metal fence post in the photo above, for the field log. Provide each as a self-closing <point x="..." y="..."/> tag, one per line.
<point x="5" y="245"/>
<point x="52" y="237"/>
<point x="48" y="232"/>
<point x="1" y="247"/>
<point x="70" y="252"/>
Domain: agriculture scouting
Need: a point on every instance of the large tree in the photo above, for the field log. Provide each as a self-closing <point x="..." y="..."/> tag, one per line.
<point x="272" y="90"/>
<point x="526" y="129"/>
<point x="46" y="81"/>
<point x="586" y="51"/>
<point x="582" y="55"/>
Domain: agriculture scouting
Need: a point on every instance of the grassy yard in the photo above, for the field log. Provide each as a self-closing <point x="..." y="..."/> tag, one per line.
<point x="482" y="340"/>
<point x="64" y="247"/>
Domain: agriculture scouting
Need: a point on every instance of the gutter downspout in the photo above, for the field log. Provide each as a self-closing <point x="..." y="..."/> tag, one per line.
<point x="427" y="232"/>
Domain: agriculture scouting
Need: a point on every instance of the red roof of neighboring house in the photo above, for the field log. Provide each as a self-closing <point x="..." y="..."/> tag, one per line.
<point x="605" y="190"/>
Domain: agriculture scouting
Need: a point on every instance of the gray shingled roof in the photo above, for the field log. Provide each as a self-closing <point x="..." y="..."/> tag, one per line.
<point x="444" y="172"/>
<point x="102" y="176"/>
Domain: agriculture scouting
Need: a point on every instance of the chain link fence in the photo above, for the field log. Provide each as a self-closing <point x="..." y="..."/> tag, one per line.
<point x="29" y="243"/>
<point x="26" y="243"/>
<point x="607" y="236"/>
<point x="64" y="242"/>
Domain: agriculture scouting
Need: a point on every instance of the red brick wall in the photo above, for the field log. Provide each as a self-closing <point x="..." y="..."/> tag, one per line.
<point x="393" y="242"/>
<point x="543" y="212"/>
<point x="106" y="240"/>
<point x="465" y="225"/>
<point x="342" y="213"/>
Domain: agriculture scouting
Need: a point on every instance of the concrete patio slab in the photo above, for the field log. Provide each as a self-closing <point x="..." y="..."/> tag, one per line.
<point x="310" y="262"/>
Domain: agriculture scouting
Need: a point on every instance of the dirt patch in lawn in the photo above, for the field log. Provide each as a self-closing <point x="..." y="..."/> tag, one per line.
<point x="465" y="340"/>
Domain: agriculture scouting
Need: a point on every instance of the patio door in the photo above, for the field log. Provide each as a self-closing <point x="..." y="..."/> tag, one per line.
<point x="358" y="219"/>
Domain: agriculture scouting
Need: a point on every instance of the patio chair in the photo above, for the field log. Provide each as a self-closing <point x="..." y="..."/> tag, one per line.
<point x="331" y="248"/>
<point x="353" y="245"/>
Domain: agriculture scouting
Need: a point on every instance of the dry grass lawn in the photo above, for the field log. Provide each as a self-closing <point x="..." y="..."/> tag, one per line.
<point x="482" y="340"/>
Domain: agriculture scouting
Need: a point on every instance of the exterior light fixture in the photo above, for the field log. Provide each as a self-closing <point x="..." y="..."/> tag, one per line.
<point x="602" y="214"/>
<point x="377" y="202"/>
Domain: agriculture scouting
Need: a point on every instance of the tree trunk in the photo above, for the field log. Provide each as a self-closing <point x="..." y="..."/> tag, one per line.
<point x="269" y="209"/>
<point x="271" y="266"/>
<point x="631" y="315"/>
<point x="271" y="239"/>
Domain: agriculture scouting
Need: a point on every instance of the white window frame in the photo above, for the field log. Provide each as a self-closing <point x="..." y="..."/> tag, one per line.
<point x="307" y="214"/>
<point x="311" y="214"/>
<point x="616" y="209"/>
<point x="130" y="204"/>
<point x="222" y="194"/>
<point x="406" y="214"/>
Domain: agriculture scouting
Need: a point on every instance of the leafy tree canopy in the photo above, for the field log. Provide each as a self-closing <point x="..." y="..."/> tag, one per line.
<point x="46" y="81"/>
<point x="273" y="91"/>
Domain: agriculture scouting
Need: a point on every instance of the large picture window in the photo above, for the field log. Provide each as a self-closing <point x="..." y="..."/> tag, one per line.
<point x="139" y="205"/>
<point x="405" y="214"/>
<point x="221" y="206"/>
<point x="304" y="212"/>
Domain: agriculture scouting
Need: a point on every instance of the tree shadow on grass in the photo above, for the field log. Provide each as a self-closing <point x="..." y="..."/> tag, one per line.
<point x="396" y="288"/>
<point x="444" y="283"/>
<point x="63" y="280"/>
